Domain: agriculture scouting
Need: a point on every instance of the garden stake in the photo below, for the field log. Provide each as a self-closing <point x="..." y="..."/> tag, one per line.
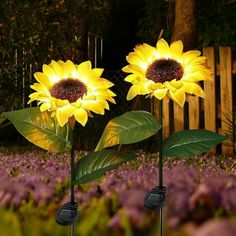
<point x="156" y="199"/>
<point x="68" y="214"/>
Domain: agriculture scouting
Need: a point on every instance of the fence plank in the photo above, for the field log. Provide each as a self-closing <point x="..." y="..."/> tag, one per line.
<point x="210" y="112"/>
<point x="194" y="108"/>
<point x="226" y="98"/>
<point x="166" y="117"/>
<point x="155" y="108"/>
<point x="178" y="117"/>
<point x="233" y="68"/>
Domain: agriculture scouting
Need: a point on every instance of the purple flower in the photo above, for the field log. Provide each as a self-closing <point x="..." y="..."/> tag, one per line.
<point x="217" y="228"/>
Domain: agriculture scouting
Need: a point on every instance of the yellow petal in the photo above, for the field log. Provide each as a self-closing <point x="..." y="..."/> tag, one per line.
<point x="81" y="116"/>
<point x="189" y="78"/>
<point x="45" y="106"/>
<point x="176" y="49"/>
<point x="196" y="76"/>
<point x="179" y="97"/>
<point x="50" y="73"/>
<point x="133" y="92"/>
<point x="42" y="79"/>
<point x="84" y="67"/>
<point x="137" y="69"/>
<point x="130" y="78"/>
<point x="110" y="99"/>
<point x="150" y="52"/>
<point x="126" y="69"/>
<point x="90" y="96"/>
<point x="104" y="104"/>
<point x="193" y="88"/>
<point x="61" y="103"/>
<point x="57" y="68"/>
<point x="133" y="58"/>
<point x="98" y="71"/>
<point x="77" y="104"/>
<point x="34" y="94"/>
<point x="69" y="68"/>
<point x="163" y="47"/>
<point x="160" y="93"/>
<point x="103" y="83"/>
<point x="104" y="95"/>
<point x="154" y="86"/>
<point x="177" y="84"/>
<point x="110" y="93"/>
<point x="93" y="106"/>
<point x="194" y="68"/>
<point x="170" y="87"/>
<point x="40" y="88"/>
<point x="198" y="60"/>
<point x="61" y="63"/>
<point x="145" y="52"/>
<point x="62" y="116"/>
<point x="189" y="55"/>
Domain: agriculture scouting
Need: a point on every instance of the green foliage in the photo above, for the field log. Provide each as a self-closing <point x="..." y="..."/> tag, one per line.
<point x="191" y="143"/>
<point x="158" y="15"/>
<point x="217" y="25"/>
<point x="9" y="224"/>
<point x="35" y="32"/>
<point x="40" y="129"/>
<point x="216" y="21"/>
<point x="131" y="127"/>
<point x="96" y="13"/>
<point x="98" y="216"/>
<point x="95" y="164"/>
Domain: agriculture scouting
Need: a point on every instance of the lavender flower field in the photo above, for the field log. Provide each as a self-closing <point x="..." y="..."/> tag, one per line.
<point x="35" y="183"/>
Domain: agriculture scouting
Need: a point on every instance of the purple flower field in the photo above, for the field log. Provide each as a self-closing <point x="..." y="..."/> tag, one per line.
<point x="201" y="196"/>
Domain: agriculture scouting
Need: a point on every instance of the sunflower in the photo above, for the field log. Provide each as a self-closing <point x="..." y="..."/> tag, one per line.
<point x="165" y="70"/>
<point x="71" y="91"/>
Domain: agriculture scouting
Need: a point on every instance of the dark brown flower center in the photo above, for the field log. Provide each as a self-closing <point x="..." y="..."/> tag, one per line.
<point x="70" y="89"/>
<point x="164" y="70"/>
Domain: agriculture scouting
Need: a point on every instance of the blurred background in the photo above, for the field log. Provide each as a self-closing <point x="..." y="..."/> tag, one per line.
<point x="34" y="183"/>
<point x="103" y="31"/>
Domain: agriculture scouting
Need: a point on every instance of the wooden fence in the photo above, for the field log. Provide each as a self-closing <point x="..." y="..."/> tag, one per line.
<point x="215" y="110"/>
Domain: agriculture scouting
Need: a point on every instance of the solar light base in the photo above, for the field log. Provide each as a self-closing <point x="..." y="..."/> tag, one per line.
<point x="67" y="214"/>
<point x="156" y="199"/>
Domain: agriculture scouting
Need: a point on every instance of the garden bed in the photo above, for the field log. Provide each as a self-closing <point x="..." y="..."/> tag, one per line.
<point x="35" y="183"/>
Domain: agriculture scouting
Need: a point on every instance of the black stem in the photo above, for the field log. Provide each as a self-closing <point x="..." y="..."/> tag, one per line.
<point x="160" y="151"/>
<point x="72" y="168"/>
<point x="161" y="223"/>
<point x="72" y="230"/>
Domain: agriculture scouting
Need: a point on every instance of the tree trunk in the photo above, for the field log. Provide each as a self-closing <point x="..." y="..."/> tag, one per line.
<point x="185" y="25"/>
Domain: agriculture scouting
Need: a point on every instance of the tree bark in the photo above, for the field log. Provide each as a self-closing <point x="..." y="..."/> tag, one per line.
<point x="185" y="25"/>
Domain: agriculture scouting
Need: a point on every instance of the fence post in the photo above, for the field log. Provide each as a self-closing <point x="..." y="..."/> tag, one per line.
<point x="193" y="112"/>
<point x="210" y="93"/>
<point x="178" y="117"/>
<point x="226" y="95"/>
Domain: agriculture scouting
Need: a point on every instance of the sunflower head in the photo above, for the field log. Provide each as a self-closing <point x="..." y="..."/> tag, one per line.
<point x="165" y="70"/>
<point x="71" y="92"/>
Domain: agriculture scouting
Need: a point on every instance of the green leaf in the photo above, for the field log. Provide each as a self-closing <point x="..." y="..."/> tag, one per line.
<point x="40" y="129"/>
<point x="131" y="127"/>
<point x="191" y="143"/>
<point x="95" y="164"/>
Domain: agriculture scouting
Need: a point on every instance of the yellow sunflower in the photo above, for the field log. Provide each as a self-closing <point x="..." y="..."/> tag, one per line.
<point x="165" y="70"/>
<point x="71" y="91"/>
